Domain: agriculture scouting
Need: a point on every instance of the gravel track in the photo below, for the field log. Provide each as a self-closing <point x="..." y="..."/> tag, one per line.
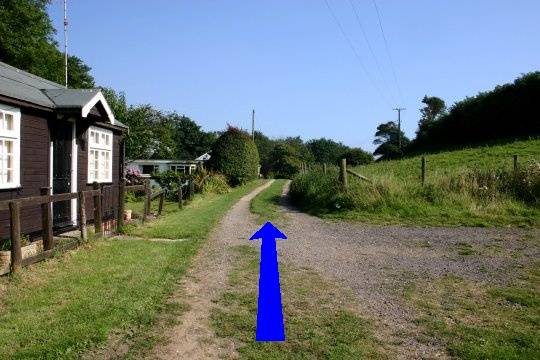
<point x="376" y="262"/>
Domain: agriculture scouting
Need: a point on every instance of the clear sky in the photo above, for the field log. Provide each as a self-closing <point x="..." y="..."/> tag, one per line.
<point x="216" y="60"/>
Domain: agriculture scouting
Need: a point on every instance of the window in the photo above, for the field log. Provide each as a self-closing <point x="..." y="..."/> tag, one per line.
<point x="178" y="168"/>
<point x="99" y="155"/>
<point x="10" y="139"/>
<point x="149" y="169"/>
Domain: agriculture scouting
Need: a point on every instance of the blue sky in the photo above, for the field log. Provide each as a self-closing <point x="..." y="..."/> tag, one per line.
<point x="216" y="60"/>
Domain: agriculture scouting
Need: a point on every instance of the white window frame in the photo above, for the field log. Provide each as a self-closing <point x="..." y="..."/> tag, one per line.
<point x="104" y="173"/>
<point x="14" y="136"/>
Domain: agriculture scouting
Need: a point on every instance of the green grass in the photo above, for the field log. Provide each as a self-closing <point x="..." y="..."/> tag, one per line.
<point x="205" y="211"/>
<point x="320" y="323"/>
<point x="71" y="304"/>
<point x="451" y="162"/>
<point x="266" y="204"/>
<point x="463" y="188"/>
<point x="482" y="322"/>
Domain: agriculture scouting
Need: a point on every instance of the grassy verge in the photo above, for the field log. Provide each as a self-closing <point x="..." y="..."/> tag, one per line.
<point x="266" y="203"/>
<point x="473" y="187"/>
<point x="60" y="308"/>
<point x="205" y="211"/>
<point x="482" y="322"/>
<point x="320" y="321"/>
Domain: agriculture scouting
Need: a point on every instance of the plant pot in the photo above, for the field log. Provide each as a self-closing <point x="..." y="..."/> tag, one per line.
<point x="127" y="215"/>
<point x="27" y="251"/>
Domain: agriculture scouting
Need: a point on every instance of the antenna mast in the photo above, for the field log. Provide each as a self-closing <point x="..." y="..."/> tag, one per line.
<point x="253" y="124"/>
<point x="65" y="43"/>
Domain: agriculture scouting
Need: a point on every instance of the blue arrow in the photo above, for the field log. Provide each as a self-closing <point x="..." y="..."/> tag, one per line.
<point x="269" y="312"/>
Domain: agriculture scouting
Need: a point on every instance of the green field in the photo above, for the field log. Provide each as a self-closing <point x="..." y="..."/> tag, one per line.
<point x="73" y="303"/>
<point x="472" y="187"/>
<point x="449" y="163"/>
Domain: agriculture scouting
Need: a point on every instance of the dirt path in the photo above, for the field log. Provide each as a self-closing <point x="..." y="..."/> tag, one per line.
<point x="193" y="337"/>
<point x="376" y="262"/>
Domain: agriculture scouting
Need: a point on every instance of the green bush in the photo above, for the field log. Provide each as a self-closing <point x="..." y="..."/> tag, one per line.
<point x="357" y="157"/>
<point x="286" y="161"/>
<point x="211" y="182"/>
<point x="235" y="155"/>
<point x="215" y="183"/>
<point x="169" y="180"/>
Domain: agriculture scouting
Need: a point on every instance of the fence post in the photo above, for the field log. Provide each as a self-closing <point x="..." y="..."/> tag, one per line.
<point x="97" y="210"/>
<point x="423" y="170"/>
<point x="191" y="189"/>
<point x="147" y="195"/>
<point x="15" y="222"/>
<point x="180" y="201"/>
<point x="160" y="207"/>
<point x="46" y="221"/>
<point x="515" y="164"/>
<point x="121" y="205"/>
<point x="343" y="174"/>
<point x="82" y="216"/>
<point x="324" y="168"/>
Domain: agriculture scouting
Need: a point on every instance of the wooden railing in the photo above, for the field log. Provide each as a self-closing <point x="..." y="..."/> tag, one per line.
<point x="46" y="200"/>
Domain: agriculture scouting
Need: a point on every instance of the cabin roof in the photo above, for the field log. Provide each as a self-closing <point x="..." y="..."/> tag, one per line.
<point x="22" y="85"/>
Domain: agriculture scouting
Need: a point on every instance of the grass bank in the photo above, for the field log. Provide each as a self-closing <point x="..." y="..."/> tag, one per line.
<point x="266" y="204"/>
<point x="482" y="322"/>
<point x="473" y="187"/>
<point x="320" y="322"/>
<point x="61" y="308"/>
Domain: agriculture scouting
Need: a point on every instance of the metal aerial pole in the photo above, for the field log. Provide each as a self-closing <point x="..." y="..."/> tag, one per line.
<point x="253" y="124"/>
<point x="65" y="44"/>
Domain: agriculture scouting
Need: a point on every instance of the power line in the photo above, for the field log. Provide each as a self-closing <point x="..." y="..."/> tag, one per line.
<point x="375" y="59"/>
<point x="387" y="49"/>
<point x="353" y="48"/>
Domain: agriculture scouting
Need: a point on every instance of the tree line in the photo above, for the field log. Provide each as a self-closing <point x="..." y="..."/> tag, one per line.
<point x="508" y="112"/>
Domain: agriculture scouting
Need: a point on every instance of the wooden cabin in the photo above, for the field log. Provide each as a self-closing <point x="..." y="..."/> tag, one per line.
<point x="55" y="140"/>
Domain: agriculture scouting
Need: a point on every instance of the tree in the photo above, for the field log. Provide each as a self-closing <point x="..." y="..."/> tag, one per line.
<point x="434" y="108"/>
<point x="386" y="137"/>
<point x="357" y="157"/>
<point x="190" y="140"/>
<point x="506" y="113"/>
<point x="265" y="146"/>
<point x="235" y="155"/>
<point x="300" y="147"/>
<point x="326" y="150"/>
<point x="27" y="42"/>
<point x="285" y="161"/>
<point x="117" y="102"/>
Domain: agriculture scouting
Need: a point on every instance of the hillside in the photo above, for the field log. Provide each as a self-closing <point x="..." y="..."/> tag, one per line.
<point x="452" y="162"/>
<point x="471" y="187"/>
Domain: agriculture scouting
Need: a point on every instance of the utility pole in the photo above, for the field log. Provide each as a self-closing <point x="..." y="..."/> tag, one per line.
<point x="399" y="125"/>
<point x="65" y="43"/>
<point x="253" y="124"/>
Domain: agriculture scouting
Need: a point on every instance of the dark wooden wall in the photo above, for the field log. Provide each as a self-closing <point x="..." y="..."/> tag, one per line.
<point x="35" y="147"/>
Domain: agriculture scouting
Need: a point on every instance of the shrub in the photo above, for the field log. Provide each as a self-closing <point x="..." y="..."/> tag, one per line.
<point x="133" y="177"/>
<point x="357" y="157"/>
<point x="215" y="183"/>
<point x="286" y="161"/>
<point x="235" y="155"/>
<point x="169" y="180"/>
